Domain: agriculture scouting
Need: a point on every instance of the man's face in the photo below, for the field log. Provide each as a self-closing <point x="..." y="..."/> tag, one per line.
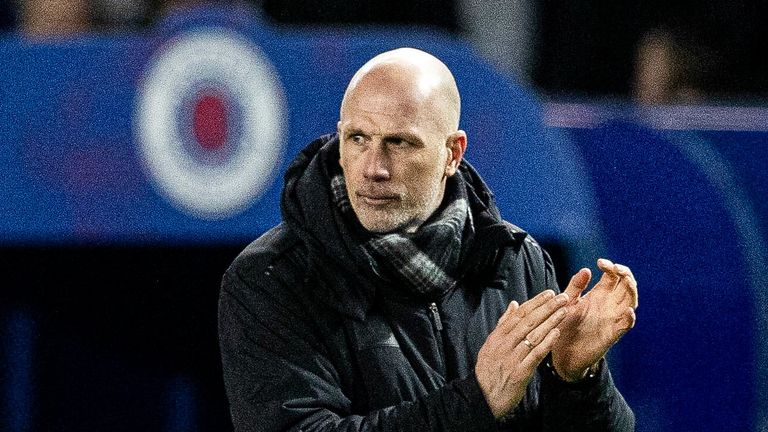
<point x="394" y="157"/>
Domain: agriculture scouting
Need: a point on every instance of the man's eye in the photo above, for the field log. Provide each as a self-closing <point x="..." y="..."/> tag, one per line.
<point x="357" y="139"/>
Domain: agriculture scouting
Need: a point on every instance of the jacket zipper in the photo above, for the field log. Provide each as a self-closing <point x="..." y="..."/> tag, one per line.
<point x="436" y="316"/>
<point x="438" y="322"/>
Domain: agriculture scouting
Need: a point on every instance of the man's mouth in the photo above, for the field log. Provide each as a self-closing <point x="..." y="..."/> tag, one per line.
<point x="377" y="199"/>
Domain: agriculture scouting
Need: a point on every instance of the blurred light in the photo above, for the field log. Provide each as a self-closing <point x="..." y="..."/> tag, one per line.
<point x="182" y="409"/>
<point x="19" y="348"/>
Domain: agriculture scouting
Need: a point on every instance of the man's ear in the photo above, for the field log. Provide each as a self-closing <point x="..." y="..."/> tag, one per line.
<point x="457" y="145"/>
<point x="338" y="132"/>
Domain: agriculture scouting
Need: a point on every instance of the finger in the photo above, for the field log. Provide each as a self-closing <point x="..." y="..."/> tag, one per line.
<point x="497" y="338"/>
<point x="534" y="303"/>
<point x="634" y="295"/>
<point x="626" y="320"/>
<point x="511" y="321"/>
<point x="507" y="313"/>
<point x="537" y="354"/>
<point x="538" y="316"/>
<point x="610" y="277"/>
<point x="539" y="333"/>
<point x="623" y="270"/>
<point x="512" y="341"/>
<point x="578" y="283"/>
<point x="628" y="292"/>
<point x="631" y="282"/>
<point x="605" y="265"/>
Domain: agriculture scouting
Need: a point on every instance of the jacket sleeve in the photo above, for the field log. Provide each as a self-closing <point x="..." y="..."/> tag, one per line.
<point x="593" y="404"/>
<point x="278" y="378"/>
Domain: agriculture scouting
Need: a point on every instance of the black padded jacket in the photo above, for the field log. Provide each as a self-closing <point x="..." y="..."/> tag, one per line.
<point x="308" y="344"/>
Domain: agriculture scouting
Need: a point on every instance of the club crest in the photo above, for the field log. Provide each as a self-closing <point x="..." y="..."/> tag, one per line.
<point x="210" y="112"/>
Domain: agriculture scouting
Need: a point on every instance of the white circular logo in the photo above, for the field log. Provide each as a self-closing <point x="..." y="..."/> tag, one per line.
<point x="210" y="112"/>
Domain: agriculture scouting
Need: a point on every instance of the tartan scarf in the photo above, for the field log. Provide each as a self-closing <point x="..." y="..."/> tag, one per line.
<point x="425" y="262"/>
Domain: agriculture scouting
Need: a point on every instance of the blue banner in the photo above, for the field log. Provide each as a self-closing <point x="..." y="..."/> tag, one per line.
<point x="181" y="134"/>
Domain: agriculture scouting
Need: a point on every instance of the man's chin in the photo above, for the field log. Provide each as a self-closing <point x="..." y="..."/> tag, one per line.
<point x="379" y="227"/>
<point x="384" y="219"/>
<point x="382" y="226"/>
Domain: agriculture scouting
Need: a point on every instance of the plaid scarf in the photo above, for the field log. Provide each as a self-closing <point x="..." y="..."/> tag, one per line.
<point x="425" y="262"/>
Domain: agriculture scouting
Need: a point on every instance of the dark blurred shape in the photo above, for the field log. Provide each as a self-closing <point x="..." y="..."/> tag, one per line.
<point x="503" y="31"/>
<point x="427" y="12"/>
<point x="7" y="16"/>
<point x="121" y="14"/>
<point x="112" y="338"/>
<point x="673" y="68"/>
<point x="62" y="17"/>
<point x="588" y="49"/>
<point x="54" y="18"/>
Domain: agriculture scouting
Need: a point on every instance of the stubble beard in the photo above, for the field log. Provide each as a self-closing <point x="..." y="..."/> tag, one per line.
<point x="405" y="215"/>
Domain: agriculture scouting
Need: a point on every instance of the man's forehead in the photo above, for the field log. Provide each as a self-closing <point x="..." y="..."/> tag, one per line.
<point x="382" y="101"/>
<point x="375" y="123"/>
<point x="388" y="116"/>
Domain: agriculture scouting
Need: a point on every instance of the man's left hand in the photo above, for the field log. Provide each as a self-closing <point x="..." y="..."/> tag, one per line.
<point x="596" y="320"/>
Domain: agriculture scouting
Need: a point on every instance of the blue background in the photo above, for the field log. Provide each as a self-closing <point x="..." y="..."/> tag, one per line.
<point x="685" y="209"/>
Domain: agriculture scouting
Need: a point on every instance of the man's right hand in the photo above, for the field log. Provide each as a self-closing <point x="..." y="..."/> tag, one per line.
<point x="523" y="336"/>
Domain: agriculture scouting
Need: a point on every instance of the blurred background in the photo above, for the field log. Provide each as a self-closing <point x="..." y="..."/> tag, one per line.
<point x="143" y="144"/>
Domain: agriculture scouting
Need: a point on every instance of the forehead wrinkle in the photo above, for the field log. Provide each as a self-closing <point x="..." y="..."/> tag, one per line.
<point x="402" y="109"/>
<point x="367" y="125"/>
<point x="377" y="103"/>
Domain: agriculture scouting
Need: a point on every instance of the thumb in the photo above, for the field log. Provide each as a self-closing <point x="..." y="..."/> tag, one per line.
<point x="578" y="283"/>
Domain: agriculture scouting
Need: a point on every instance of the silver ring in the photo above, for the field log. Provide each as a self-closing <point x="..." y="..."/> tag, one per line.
<point x="528" y="343"/>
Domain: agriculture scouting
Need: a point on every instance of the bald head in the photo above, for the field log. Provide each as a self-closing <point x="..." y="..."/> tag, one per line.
<point x="415" y="79"/>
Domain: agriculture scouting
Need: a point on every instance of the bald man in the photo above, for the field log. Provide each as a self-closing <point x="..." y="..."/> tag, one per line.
<point x="394" y="297"/>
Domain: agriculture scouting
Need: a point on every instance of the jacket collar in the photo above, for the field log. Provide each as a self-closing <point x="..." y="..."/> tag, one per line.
<point x="338" y="278"/>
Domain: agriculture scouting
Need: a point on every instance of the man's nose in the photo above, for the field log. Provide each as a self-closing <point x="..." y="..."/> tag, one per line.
<point x="376" y="163"/>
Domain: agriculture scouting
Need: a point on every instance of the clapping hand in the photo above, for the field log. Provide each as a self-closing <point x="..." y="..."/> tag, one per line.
<point x="596" y="321"/>
<point x="523" y="336"/>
